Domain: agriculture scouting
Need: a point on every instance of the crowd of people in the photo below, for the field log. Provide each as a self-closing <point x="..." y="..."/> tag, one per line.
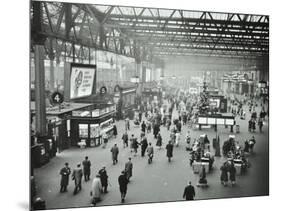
<point x="171" y="115"/>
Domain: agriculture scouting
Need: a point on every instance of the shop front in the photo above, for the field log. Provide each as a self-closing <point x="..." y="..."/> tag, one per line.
<point x="152" y="95"/>
<point x="89" y="126"/>
<point x="125" y="100"/>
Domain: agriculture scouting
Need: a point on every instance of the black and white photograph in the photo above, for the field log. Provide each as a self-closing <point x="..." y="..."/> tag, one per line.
<point x="138" y="104"/>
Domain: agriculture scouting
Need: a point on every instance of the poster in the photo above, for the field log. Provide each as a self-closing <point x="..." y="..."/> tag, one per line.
<point x="81" y="81"/>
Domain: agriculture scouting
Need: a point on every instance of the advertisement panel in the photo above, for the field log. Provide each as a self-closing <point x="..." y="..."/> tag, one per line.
<point x="82" y="80"/>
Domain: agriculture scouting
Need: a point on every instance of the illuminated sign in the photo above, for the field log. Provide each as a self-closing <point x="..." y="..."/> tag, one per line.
<point x="81" y="80"/>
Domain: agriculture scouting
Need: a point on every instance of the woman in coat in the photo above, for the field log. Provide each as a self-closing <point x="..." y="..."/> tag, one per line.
<point x="159" y="141"/>
<point x="125" y="139"/>
<point x="114" y="131"/>
<point x="144" y="145"/>
<point x="135" y="145"/>
<point x="224" y="175"/>
<point x="96" y="190"/>
<point x="169" y="148"/>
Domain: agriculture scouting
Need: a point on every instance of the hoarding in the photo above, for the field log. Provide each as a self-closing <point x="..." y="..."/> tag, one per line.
<point x="82" y="80"/>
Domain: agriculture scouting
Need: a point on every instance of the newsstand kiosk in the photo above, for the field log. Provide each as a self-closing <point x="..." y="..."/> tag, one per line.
<point x="87" y="125"/>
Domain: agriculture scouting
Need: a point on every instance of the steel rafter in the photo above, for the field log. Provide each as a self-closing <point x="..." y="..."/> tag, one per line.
<point x="235" y="35"/>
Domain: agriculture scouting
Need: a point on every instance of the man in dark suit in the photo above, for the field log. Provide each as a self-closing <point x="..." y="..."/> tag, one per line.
<point x="169" y="148"/>
<point x="77" y="177"/>
<point x="123" y="182"/>
<point x="129" y="169"/>
<point x="189" y="192"/>
<point x="86" y="169"/>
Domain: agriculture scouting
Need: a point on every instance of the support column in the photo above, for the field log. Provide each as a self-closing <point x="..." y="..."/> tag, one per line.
<point x="40" y="104"/>
<point x="39" y="51"/>
<point x="139" y="74"/>
<point x="240" y="88"/>
<point x="52" y="72"/>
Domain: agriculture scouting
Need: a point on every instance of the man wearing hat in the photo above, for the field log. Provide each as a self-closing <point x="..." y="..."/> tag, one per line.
<point x="77" y="177"/>
<point x="114" y="151"/>
<point x="123" y="182"/>
<point x="104" y="179"/>
<point x="129" y="169"/>
<point x="86" y="168"/>
<point x="189" y="192"/>
<point x="64" y="172"/>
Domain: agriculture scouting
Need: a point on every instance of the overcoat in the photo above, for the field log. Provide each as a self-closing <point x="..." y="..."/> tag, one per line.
<point x="123" y="182"/>
<point x="129" y="169"/>
<point x="189" y="192"/>
<point x="114" y="151"/>
<point x="103" y="177"/>
<point x="86" y="166"/>
<point x="65" y="172"/>
<point x="169" y="148"/>
<point x="159" y="141"/>
<point x="96" y="188"/>
<point x="77" y="175"/>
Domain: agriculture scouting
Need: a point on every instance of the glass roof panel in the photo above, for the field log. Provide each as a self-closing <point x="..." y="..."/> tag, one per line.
<point x="101" y="8"/>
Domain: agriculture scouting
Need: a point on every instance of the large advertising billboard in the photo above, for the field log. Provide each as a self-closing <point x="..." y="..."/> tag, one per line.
<point x="82" y="80"/>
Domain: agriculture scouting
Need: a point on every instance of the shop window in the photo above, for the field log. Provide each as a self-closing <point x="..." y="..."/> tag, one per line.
<point x="106" y="126"/>
<point x="94" y="130"/>
<point x="83" y="130"/>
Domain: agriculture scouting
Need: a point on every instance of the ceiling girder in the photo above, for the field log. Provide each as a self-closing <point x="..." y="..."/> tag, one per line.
<point x="238" y="35"/>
